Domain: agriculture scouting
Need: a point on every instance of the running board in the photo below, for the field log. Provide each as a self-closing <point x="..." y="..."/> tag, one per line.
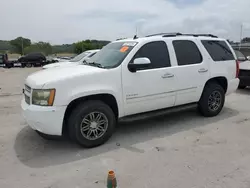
<point x="161" y="112"/>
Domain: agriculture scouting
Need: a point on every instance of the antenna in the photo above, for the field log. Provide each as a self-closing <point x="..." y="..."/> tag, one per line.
<point x="136" y="30"/>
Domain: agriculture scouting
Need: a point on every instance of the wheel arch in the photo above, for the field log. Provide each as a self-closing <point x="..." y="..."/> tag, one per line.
<point x="221" y="80"/>
<point x="107" y="98"/>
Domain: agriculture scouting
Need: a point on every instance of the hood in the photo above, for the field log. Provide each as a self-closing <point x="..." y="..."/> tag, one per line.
<point x="38" y="79"/>
<point x="60" y="64"/>
<point x="245" y="65"/>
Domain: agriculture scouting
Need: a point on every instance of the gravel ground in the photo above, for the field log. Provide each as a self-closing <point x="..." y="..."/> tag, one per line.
<point x="175" y="150"/>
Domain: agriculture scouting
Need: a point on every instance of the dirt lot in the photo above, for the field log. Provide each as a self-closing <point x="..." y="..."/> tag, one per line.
<point x="175" y="150"/>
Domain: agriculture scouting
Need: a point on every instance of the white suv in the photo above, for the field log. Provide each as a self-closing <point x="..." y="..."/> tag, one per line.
<point x="129" y="77"/>
<point x="76" y="60"/>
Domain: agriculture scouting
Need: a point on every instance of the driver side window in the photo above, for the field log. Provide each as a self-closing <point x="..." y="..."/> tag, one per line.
<point x="156" y="52"/>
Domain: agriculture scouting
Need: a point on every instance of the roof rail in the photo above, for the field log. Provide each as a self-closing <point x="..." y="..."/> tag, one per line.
<point x="201" y="35"/>
<point x="180" y="34"/>
<point x="164" y="34"/>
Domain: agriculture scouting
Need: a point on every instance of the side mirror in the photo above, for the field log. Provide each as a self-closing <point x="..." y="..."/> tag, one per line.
<point x="242" y="59"/>
<point x="248" y="58"/>
<point x="139" y="63"/>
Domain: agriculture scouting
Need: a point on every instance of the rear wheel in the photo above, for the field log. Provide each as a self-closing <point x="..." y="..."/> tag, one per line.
<point x="91" y="123"/>
<point x="212" y="100"/>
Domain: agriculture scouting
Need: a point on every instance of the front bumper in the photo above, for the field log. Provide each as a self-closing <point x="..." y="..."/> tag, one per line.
<point x="48" y="120"/>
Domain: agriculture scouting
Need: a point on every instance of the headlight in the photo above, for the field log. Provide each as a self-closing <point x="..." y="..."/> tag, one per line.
<point x="43" y="97"/>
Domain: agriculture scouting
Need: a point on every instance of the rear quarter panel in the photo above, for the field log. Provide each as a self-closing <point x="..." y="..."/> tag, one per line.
<point x="225" y="69"/>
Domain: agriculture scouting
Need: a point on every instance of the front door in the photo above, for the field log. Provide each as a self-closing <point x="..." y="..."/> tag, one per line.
<point x="151" y="88"/>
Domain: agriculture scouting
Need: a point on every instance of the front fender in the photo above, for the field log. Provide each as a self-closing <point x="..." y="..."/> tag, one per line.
<point x="76" y="94"/>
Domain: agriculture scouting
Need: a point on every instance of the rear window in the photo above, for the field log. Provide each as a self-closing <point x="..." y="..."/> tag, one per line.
<point x="218" y="50"/>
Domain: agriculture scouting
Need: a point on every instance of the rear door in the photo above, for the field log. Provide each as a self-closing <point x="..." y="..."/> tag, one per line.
<point x="192" y="70"/>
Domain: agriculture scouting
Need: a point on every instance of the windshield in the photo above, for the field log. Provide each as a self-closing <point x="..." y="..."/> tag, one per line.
<point x="80" y="57"/>
<point x="239" y="55"/>
<point x="113" y="54"/>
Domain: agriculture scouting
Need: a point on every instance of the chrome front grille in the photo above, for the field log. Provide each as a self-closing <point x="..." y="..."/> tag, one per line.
<point x="27" y="88"/>
<point x="27" y="93"/>
<point x="27" y="99"/>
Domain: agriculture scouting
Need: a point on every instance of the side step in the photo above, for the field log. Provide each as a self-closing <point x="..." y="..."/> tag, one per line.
<point x="161" y="112"/>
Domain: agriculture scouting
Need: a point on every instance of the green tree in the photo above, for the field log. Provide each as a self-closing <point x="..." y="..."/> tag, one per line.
<point x="43" y="47"/>
<point x="82" y="46"/>
<point x="20" y="43"/>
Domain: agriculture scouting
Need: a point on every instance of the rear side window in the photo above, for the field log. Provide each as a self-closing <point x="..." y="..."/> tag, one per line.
<point x="218" y="50"/>
<point x="156" y="52"/>
<point x="187" y="53"/>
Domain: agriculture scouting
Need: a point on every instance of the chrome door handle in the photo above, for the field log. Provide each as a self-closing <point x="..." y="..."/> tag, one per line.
<point x="168" y="75"/>
<point x="202" y="70"/>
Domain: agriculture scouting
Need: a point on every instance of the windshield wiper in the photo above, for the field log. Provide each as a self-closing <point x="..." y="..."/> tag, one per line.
<point x="93" y="64"/>
<point x="96" y="64"/>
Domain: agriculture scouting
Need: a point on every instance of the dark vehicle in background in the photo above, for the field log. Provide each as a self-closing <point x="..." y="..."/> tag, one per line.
<point x="4" y="62"/>
<point x="244" y="65"/>
<point x="35" y="59"/>
<point x="32" y="60"/>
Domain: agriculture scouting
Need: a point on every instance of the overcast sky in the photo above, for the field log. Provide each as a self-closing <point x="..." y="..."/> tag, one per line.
<point x="64" y="21"/>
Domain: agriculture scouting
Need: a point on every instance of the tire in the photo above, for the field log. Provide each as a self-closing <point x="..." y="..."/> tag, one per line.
<point x="47" y="137"/>
<point x="208" y="107"/>
<point x="83" y="111"/>
<point x="241" y="87"/>
<point x="29" y="65"/>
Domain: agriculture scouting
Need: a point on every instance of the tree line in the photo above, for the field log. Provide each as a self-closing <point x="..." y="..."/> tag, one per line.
<point x="24" y="46"/>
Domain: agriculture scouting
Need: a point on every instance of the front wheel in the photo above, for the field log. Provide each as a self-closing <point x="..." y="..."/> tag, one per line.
<point x="212" y="100"/>
<point x="91" y="123"/>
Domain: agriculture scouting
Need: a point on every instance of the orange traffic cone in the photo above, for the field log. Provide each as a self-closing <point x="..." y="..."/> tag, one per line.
<point x="111" y="181"/>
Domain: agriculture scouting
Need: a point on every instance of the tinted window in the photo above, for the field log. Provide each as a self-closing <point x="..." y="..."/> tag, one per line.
<point x="187" y="53"/>
<point x="1" y="58"/>
<point x="218" y="50"/>
<point x="157" y="52"/>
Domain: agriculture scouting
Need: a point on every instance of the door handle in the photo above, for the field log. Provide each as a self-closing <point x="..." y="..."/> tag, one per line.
<point x="202" y="70"/>
<point x="168" y="75"/>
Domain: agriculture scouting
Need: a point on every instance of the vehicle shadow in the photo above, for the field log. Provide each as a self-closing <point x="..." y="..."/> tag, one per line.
<point x="35" y="152"/>
<point x="245" y="91"/>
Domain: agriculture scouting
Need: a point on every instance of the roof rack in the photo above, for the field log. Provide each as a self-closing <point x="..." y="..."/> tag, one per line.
<point x="201" y="35"/>
<point x="164" y="34"/>
<point x="180" y="34"/>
